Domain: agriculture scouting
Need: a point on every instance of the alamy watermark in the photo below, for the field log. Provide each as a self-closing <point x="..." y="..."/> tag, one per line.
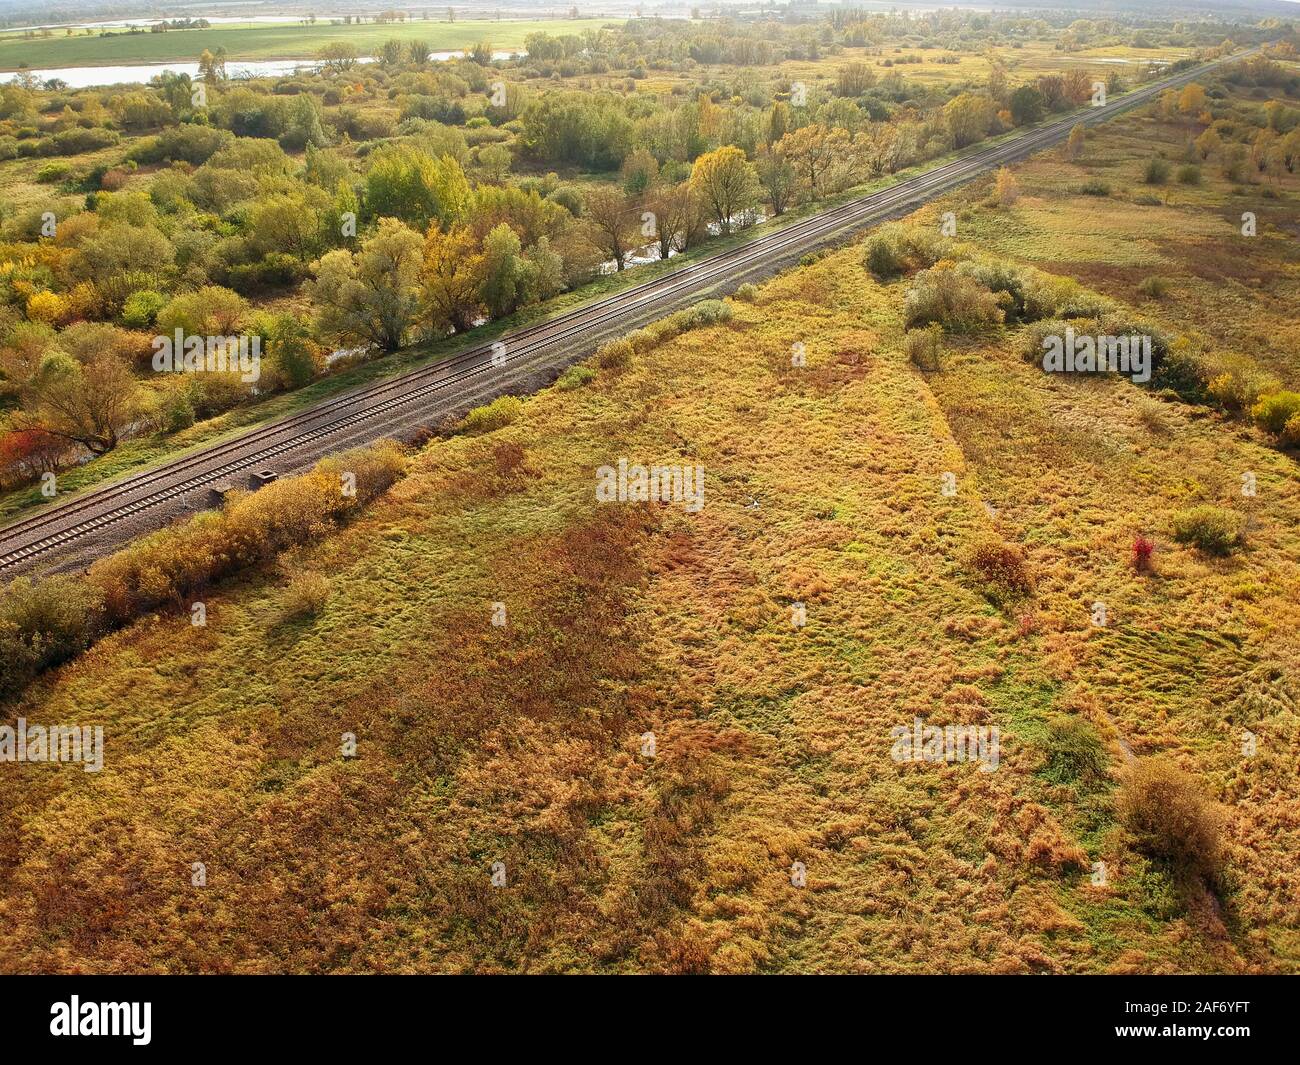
<point x="53" y="743"/>
<point x="197" y="354"/>
<point x="634" y="483"/>
<point x="1071" y="353"/>
<point x="920" y="742"/>
<point x="78" y="1018"/>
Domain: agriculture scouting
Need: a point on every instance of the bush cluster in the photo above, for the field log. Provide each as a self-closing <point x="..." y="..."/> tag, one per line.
<point x="1001" y="569"/>
<point x="251" y="527"/>
<point x="495" y="415"/>
<point x="1211" y="529"/>
<point x="1170" y="819"/>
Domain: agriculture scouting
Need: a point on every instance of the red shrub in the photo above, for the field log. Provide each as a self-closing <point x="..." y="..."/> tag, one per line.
<point x="1142" y="551"/>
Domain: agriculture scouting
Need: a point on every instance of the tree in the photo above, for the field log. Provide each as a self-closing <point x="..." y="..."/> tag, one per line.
<point x="453" y="278"/>
<point x="545" y="275"/>
<point x="1263" y="149"/>
<point x="28" y="452"/>
<point x="968" y="118"/>
<point x="854" y="79"/>
<point x="777" y="177"/>
<point x="505" y="272"/>
<point x="1008" y="190"/>
<point x="778" y="122"/>
<point x="677" y="217"/>
<point x="640" y="171"/>
<point x="125" y="248"/>
<point x="1078" y="87"/>
<point x="495" y="159"/>
<point x="1290" y="150"/>
<point x="883" y="147"/>
<point x="371" y="296"/>
<point x="725" y="183"/>
<point x="212" y="66"/>
<point x="1074" y="145"/>
<point x="290" y="223"/>
<point x="612" y="222"/>
<point x="391" y="52"/>
<point x="409" y="184"/>
<point x="1052" y="88"/>
<point x="1208" y="143"/>
<point x="1027" y="105"/>
<point x="821" y="158"/>
<point x="324" y="169"/>
<point x="418" y="52"/>
<point x="304" y="128"/>
<point x="293" y="358"/>
<point x="543" y="47"/>
<point x="525" y="212"/>
<point x="210" y="311"/>
<point x="997" y="83"/>
<point x="337" y="56"/>
<point x="87" y="404"/>
<point x="575" y="127"/>
<point x="1192" y="100"/>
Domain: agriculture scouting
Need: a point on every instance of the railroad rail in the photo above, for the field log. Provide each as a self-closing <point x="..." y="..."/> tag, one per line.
<point x="370" y="411"/>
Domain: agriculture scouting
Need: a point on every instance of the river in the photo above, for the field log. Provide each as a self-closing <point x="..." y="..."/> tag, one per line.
<point x="142" y="73"/>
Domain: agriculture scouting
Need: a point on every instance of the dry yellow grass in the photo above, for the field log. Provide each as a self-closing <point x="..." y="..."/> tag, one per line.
<point x="522" y="744"/>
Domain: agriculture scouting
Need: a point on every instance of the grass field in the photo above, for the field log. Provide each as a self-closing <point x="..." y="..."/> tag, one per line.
<point x="521" y="744"/>
<point x="268" y="41"/>
<point x="1022" y="64"/>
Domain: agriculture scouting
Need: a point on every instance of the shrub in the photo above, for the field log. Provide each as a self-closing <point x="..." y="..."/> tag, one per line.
<point x="747" y="293"/>
<point x="1169" y="817"/>
<point x="495" y="415"/>
<point x="1143" y="549"/>
<point x="47" y="307"/>
<point x="924" y="347"/>
<point x="141" y="308"/>
<point x="49" y="173"/>
<point x="76" y="141"/>
<point x="895" y="249"/>
<point x="1119" y="324"/>
<point x="305" y="597"/>
<point x="1154" y="287"/>
<point x="1211" y="529"/>
<point x="1157" y="171"/>
<point x="43" y="623"/>
<point x="642" y="340"/>
<point x="704" y="313"/>
<point x="1002" y="569"/>
<point x="1189" y="175"/>
<point x="1291" y="431"/>
<point x="1239" y="388"/>
<point x="575" y="377"/>
<point x="1075" y="752"/>
<point x="177" y="411"/>
<point x="1095" y="188"/>
<point x="1185" y="373"/>
<point x="952" y="299"/>
<point x="1006" y="189"/>
<point x="1275" y="410"/>
<point x="616" y="355"/>
<point x="177" y="561"/>
<point x="1049" y="296"/>
<point x="568" y="198"/>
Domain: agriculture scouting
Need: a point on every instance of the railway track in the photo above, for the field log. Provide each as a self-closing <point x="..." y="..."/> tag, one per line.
<point x="372" y="411"/>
